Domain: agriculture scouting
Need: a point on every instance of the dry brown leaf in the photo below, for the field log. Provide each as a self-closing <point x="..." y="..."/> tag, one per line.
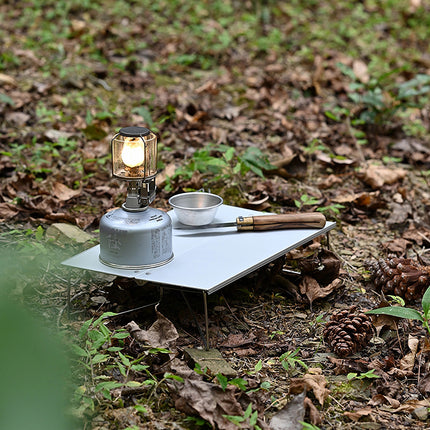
<point x="7" y="211"/>
<point x="208" y="401"/>
<point x="357" y="415"/>
<point x="162" y="334"/>
<point x="313" y="412"/>
<point x="312" y="289"/>
<point x="411" y="405"/>
<point x="235" y="340"/>
<point x="6" y="79"/>
<point x="380" y="399"/>
<point x="397" y="246"/>
<point x="424" y="385"/>
<point x="360" y="71"/>
<point x="376" y="176"/>
<point x="63" y="192"/>
<point x="313" y="380"/>
<point x="408" y="361"/>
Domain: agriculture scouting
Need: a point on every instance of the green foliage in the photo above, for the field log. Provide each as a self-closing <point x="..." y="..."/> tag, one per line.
<point x="221" y="163"/>
<point x="306" y="200"/>
<point x="408" y="313"/>
<point x="101" y="346"/>
<point x="289" y="360"/>
<point x="249" y="416"/>
<point x="307" y="426"/>
<point x="381" y="98"/>
<point x="367" y="375"/>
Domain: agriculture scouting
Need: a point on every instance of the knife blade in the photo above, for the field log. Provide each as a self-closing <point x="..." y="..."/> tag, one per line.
<point x="267" y="222"/>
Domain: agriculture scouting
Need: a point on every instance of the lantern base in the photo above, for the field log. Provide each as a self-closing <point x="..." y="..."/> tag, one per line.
<point x="135" y="240"/>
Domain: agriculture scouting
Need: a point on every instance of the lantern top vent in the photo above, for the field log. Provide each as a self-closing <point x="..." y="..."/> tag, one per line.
<point x="134" y="131"/>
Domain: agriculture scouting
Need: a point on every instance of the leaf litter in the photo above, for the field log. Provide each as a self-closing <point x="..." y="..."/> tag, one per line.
<point x="54" y="142"/>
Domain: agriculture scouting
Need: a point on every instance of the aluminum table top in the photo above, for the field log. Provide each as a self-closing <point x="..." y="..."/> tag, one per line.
<point x="208" y="260"/>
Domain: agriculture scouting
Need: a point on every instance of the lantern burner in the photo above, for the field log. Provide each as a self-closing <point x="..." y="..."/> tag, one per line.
<point x="135" y="236"/>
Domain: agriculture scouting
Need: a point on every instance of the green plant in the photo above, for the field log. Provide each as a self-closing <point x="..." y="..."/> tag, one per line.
<point x="367" y="375"/>
<point x="380" y="99"/>
<point x="306" y="200"/>
<point x="251" y="417"/>
<point x="333" y="208"/>
<point x="289" y="360"/>
<point x="408" y="313"/>
<point x="307" y="426"/>
<point x="222" y="163"/>
<point x="99" y="345"/>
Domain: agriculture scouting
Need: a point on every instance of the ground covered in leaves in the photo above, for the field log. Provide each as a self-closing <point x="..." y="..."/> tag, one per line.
<point x="281" y="107"/>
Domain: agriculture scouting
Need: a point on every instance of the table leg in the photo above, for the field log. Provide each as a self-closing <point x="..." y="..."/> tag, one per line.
<point x="205" y="304"/>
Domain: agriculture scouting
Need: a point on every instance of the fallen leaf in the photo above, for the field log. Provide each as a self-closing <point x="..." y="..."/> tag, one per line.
<point x="360" y="413"/>
<point x="424" y="385"/>
<point x="408" y="361"/>
<point x="7" y="211"/>
<point x="323" y="266"/>
<point x="380" y="399"/>
<point x="313" y="380"/>
<point x="313" y="412"/>
<point x="360" y="71"/>
<point x="63" y="192"/>
<point x="411" y="405"/>
<point x="6" y="79"/>
<point x="397" y="246"/>
<point x="376" y="176"/>
<point x="399" y="213"/>
<point x="209" y="401"/>
<point x="235" y="340"/>
<point x="312" y="289"/>
<point x="289" y="417"/>
<point x="162" y="334"/>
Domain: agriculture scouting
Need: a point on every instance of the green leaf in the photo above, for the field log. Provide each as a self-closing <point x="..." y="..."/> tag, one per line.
<point x="6" y="99"/>
<point x="79" y="351"/>
<point x="124" y="359"/>
<point x="84" y="328"/>
<point x="396" y="311"/>
<point x="229" y="154"/>
<point x="168" y="375"/>
<point x="258" y="366"/>
<point x="223" y="381"/>
<point x="234" y="419"/>
<point x="141" y="409"/>
<point x="248" y="411"/>
<point x="240" y="383"/>
<point x="139" y="367"/>
<point x="99" y="358"/>
<point x="133" y="384"/>
<point x="426" y="302"/>
<point x="265" y="385"/>
<point x="121" y="335"/>
<point x="109" y="385"/>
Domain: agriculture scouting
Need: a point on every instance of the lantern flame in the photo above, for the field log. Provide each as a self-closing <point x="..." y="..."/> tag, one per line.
<point x="133" y="151"/>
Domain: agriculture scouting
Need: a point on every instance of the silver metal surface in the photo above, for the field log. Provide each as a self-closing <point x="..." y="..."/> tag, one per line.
<point x="195" y="208"/>
<point x="211" y="259"/>
<point x="135" y="240"/>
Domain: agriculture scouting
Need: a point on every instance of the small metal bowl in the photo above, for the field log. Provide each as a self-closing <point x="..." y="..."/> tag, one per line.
<point x="195" y="208"/>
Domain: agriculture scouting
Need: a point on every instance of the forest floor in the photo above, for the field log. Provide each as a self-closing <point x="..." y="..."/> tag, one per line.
<point x="280" y="108"/>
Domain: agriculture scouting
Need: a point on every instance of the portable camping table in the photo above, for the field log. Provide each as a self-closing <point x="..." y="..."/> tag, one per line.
<point x="207" y="260"/>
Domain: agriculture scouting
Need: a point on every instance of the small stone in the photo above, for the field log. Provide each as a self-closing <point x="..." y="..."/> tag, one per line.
<point x="67" y="233"/>
<point x="212" y="359"/>
<point x="421" y="413"/>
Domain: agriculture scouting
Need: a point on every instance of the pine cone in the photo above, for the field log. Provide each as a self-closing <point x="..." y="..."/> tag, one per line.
<point x="401" y="277"/>
<point x="348" y="332"/>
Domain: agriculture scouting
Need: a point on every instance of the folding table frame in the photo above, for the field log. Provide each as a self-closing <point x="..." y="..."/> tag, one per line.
<point x="207" y="260"/>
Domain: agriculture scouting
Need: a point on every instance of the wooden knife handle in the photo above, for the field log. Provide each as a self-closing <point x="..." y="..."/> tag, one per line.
<point x="281" y="222"/>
